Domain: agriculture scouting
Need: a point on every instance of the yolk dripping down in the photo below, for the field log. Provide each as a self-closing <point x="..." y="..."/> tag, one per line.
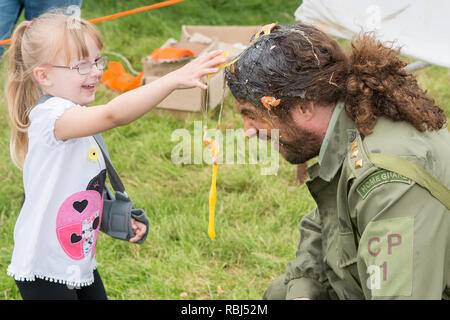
<point x="212" y="203"/>
<point x="214" y="146"/>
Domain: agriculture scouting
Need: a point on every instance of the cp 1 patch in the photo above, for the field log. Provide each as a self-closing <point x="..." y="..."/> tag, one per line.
<point x="377" y="179"/>
<point x="386" y="247"/>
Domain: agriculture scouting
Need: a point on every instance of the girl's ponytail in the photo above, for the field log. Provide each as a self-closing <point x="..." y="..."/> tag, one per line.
<point x="377" y="85"/>
<point x="22" y="94"/>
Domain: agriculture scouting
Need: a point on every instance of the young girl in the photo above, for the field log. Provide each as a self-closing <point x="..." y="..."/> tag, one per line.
<point x="55" y="67"/>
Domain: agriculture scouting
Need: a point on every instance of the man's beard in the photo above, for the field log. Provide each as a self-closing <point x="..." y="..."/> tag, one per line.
<point x="305" y="147"/>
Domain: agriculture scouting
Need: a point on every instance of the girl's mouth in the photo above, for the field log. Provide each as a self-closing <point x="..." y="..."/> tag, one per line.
<point x="89" y="87"/>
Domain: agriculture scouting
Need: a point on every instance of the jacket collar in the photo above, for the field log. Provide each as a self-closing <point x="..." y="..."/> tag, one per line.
<point x="341" y="130"/>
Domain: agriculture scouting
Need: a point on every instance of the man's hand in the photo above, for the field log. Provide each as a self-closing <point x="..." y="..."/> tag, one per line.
<point x="139" y="230"/>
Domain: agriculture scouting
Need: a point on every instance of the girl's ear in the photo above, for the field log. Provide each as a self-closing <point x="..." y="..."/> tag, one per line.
<point x="41" y="77"/>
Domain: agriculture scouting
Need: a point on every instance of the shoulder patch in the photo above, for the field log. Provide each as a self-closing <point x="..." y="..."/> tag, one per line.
<point x="386" y="247"/>
<point x="377" y="179"/>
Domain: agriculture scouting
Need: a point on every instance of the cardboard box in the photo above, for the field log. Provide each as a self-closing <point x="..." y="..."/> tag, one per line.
<point x="159" y="68"/>
<point x="185" y="99"/>
<point x="191" y="99"/>
<point x="227" y="34"/>
<point x="232" y="39"/>
<point x="199" y="39"/>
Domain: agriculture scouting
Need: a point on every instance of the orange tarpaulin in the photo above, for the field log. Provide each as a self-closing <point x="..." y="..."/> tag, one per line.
<point x="116" y="78"/>
<point x="169" y="53"/>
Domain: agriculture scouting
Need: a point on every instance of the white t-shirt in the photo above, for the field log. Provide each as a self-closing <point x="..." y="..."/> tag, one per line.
<point x="55" y="234"/>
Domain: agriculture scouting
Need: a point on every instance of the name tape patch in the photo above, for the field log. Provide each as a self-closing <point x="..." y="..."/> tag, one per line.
<point x="379" y="178"/>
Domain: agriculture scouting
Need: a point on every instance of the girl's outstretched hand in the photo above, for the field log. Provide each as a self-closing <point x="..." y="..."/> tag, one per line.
<point x="190" y="75"/>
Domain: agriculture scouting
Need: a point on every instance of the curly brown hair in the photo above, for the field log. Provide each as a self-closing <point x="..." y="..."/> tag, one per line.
<point x="378" y="85"/>
<point x="299" y="63"/>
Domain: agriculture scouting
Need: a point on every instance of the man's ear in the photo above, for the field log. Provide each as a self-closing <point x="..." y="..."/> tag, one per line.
<point x="304" y="110"/>
<point x="41" y="76"/>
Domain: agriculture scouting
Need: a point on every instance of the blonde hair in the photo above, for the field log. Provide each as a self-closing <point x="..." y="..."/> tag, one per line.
<point x="32" y="45"/>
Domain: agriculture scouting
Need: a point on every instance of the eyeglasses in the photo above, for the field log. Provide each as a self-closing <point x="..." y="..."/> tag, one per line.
<point x="85" y="67"/>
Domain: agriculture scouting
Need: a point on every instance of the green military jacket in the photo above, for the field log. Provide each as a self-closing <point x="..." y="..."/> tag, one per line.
<point x="381" y="228"/>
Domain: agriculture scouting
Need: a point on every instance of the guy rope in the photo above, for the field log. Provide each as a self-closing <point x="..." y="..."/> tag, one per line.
<point x="121" y="14"/>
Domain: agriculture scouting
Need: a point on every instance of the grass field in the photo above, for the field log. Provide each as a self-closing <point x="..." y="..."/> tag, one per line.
<point x="257" y="216"/>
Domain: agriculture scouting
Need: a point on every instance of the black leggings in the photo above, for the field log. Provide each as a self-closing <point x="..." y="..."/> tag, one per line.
<point x="45" y="290"/>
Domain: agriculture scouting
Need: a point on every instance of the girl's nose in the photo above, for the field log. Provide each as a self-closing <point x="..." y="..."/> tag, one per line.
<point x="95" y="71"/>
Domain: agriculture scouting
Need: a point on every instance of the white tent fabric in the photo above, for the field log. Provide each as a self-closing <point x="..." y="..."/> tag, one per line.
<point x="420" y="28"/>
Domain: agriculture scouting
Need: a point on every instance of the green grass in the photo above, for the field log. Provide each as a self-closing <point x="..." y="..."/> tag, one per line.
<point x="257" y="216"/>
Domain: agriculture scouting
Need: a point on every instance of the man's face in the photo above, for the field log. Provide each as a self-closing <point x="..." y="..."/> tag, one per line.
<point x="296" y="144"/>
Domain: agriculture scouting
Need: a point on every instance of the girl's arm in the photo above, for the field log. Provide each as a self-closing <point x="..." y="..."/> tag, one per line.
<point x="126" y="108"/>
